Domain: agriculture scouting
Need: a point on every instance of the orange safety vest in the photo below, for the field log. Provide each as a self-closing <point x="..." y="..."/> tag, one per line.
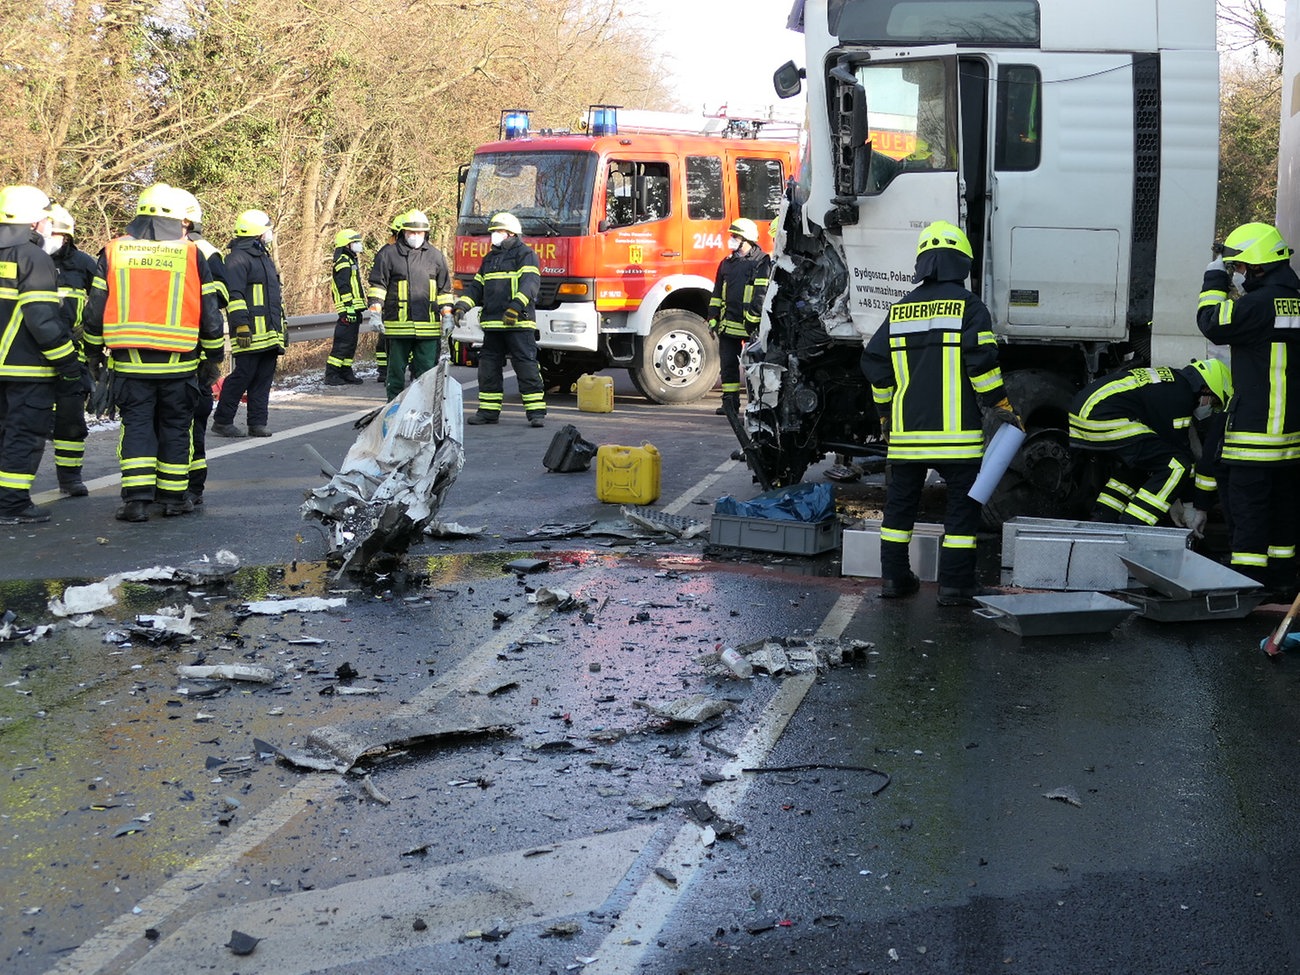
<point x="154" y="296"/>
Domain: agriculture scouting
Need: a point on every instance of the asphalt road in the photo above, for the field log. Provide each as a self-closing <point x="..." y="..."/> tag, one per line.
<point x="945" y="797"/>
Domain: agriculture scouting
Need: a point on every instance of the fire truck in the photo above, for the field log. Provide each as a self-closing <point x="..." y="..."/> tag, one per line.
<point x="628" y="216"/>
<point x="1077" y="146"/>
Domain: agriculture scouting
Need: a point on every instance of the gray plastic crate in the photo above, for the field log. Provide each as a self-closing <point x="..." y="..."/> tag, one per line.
<point x="775" y="535"/>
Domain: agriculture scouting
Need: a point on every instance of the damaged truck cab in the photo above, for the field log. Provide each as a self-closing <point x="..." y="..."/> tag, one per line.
<point x="1076" y="144"/>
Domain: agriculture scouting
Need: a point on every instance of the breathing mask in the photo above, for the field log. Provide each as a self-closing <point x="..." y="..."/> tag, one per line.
<point x="414" y="241"/>
<point x="498" y="237"/>
<point x="52" y="244"/>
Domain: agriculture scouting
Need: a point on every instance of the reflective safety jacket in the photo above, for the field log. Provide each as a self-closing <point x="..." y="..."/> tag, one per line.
<point x="153" y="303"/>
<point x="76" y="273"/>
<point x="509" y="277"/>
<point x="34" y="338"/>
<point x="1262" y="328"/>
<point x="931" y="364"/>
<point x="345" y="284"/>
<point x="1118" y="410"/>
<point x="738" y="292"/>
<point x="255" y="298"/>
<point x="410" y="285"/>
<point x="216" y="264"/>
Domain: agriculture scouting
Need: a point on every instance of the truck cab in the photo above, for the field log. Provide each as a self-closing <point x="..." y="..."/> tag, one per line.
<point x="629" y="221"/>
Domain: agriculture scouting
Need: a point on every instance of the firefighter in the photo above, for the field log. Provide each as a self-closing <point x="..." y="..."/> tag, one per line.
<point x="932" y="364"/>
<point x="506" y="285"/>
<point x="257" y="326"/>
<point x="1141" y="419"/>
<point x="193" y="222"/>
<point x="1261" y="444"/>
<point x="153" y="308"/>
<point x="37" y="356"/>
<point x="349" y="302"/>
<point x="410" y="288"/>
<point x="737" y="304"/>
<point x="76" y="271"/>
<point x="381" y="341"/>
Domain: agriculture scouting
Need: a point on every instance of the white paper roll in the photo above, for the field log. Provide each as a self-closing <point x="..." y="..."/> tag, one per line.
<point x="997" y="458"/>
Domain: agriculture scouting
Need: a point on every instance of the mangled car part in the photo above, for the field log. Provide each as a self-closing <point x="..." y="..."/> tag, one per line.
<point x="395" y="477"/>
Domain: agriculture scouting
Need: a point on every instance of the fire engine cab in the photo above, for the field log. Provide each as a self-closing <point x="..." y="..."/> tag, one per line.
<point x="629" y="220"/>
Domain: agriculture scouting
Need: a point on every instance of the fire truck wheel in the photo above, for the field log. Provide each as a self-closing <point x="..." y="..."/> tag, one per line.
<point x="679" y="358"/>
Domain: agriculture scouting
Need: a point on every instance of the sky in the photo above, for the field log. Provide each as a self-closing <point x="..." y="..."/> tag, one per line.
<point x="723" y="52"/>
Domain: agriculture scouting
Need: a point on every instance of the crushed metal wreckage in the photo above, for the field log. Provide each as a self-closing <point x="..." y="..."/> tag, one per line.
<point x="396" y="476"/>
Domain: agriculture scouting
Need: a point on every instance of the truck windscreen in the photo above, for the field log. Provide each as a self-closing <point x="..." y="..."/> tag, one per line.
<point x="988" y="23"/>
<point x="550" y="192"/>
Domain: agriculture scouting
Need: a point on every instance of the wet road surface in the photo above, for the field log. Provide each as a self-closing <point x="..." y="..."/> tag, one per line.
<point x="902" y="821"/>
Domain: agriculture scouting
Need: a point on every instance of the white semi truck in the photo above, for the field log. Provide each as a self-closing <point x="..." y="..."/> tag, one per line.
<point x="1077" y="145"/>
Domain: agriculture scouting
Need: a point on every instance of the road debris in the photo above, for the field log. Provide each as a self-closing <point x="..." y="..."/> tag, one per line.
<point x="305" y="604"/>
<point x="242" y="944"/>
<point x="660" y="521"/>
<point x="695" y="709"/>
<point x="562" y="929"/>
<point x="248" y="672"/>
<point x="373" y="792"/>
<point x="95" y="596"/>
<point x="168" y="623"/>
<point x="396" y="475"/>
<point x="1066" y="794"/>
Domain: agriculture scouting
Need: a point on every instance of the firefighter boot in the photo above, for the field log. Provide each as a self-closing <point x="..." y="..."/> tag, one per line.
<point x="70" y="482"/>
<point x="335" y="377"/>
<point x="133" y="511"/>
<point x="226" y="430"/>
<point x="728" y="399"/>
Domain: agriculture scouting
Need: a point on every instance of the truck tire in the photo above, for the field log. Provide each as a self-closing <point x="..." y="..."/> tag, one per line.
<point x="679" y="358"/>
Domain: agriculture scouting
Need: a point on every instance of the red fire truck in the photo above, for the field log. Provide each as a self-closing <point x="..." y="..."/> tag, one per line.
<point x="629" y="220"/>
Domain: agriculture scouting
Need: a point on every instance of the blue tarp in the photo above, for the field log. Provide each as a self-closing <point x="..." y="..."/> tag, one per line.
<point x="803" y="502"/>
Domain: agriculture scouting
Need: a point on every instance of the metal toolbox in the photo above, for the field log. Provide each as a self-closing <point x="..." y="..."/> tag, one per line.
<point x="1052" y="553"/>
<point x="861" y="555"/>
<point x="1210" y="606"/>
<point x="1055" y="613"/>
<point x="1189" y="587"/>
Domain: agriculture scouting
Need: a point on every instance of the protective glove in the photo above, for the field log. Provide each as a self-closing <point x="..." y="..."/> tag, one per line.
<point x="209" y="372"/>
<point x="713" y="325"/>
<point x="1004" y="412"/>
<point x="884" y="428"/>
<point x="1195" y="519"/>
<point x="1217" y="265"/>
<point x="95" y="360"/>
<point x="510" y="318"/>
<point x="243" y="336"/>
<point x="458" y="313"/>
<point x="69" y="372"/>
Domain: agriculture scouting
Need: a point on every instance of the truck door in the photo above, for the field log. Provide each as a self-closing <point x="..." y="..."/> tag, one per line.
<point x="640" y="232"/>
<point x="913" y="177"/>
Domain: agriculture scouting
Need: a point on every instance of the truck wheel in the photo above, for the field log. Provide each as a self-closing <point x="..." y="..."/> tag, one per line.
<point x="679" y="358"/>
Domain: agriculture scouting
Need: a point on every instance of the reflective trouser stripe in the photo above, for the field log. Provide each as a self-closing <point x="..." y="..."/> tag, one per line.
<point x="490" y="402"/>
<point x="895" y="535"/>
<point x="959" y="541"/>
<point x="532" y="402"/>
<point x="69" y="453"/>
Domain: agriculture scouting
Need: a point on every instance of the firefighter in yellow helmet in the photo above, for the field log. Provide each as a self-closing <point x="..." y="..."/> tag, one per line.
<point x="506" y="286"/>
<point x="737" y="304"/>
<point x="349" y="302"/>
<point x="1139" y="421"/>
<point x="153" y="308"/>
<point x="1260" y="458"/>
<point x="37" y="356"/>
<point x="933" y="367"/>
<point x="257" y="324"/>
<point x="76" y="271"/>
<point x="410" y="288"/>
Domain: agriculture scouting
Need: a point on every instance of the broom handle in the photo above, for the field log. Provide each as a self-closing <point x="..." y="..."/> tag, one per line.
<point x="1285" y="625"/>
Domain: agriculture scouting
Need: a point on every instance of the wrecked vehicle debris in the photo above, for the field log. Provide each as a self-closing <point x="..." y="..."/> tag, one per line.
<point x="248" y="672"/>
<point x="694" y="709"/>
<point x="307" y="604"/>
<point x="397" y="474"/>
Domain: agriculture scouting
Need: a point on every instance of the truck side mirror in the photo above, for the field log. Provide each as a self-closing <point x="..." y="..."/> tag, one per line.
<point x="787" y="80"/>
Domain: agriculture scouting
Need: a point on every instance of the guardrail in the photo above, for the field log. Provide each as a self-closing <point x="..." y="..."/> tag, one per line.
<point x="308" y="328"/>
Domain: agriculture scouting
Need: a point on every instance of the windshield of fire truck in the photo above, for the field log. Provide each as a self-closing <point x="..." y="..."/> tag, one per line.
<point x="550" y="192"/>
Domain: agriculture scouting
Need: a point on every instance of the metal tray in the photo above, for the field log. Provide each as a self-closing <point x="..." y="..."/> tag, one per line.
<point x="1055" y="613"/>
<point x="1182" y="574"/>
<point x="1232" y="605"/>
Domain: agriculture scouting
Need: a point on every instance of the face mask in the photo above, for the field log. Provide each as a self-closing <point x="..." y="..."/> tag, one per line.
<point x="414" y="240"/>
<point x="52" y="244"/>
<point x="269" y="236"/>
<point x="733" y="243"/>
<point x="498" y="238"/>
<point x="1202" y="413"/>
<point x="1239" y="280"/>
<point x="356" y="246"/>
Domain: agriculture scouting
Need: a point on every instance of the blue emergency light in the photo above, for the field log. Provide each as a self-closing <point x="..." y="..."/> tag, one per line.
<point x="514" y="123"/>
<point x="604" y="119"/>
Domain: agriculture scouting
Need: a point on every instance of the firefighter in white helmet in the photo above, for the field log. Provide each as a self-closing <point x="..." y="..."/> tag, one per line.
<point x="36" y="351"/>
<point x="506" y="285"/>
<point x="737" y="304"/>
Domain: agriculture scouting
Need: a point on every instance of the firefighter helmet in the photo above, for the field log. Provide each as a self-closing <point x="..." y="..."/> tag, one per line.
<point x="396" y="223"/>
<point x="745" y="229"/>
<point x="941" y="233"/>
<point x="1217" y="376"/>
<point x="345" y="237"/>
<point x="252" y="223"/>
<point x="191" y="210"/>
<point x="161" y="200"/>
<point x="23" y="204"/>
<point x="507" y="222"/>
<point x="61" y="221"/>
<point x="415" y="220"/>
<point x="1255" y="243"/>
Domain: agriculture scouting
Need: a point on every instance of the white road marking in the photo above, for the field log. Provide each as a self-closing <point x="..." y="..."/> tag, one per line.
<point x="640" y="922"/>
<point x="699" y="487"/>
